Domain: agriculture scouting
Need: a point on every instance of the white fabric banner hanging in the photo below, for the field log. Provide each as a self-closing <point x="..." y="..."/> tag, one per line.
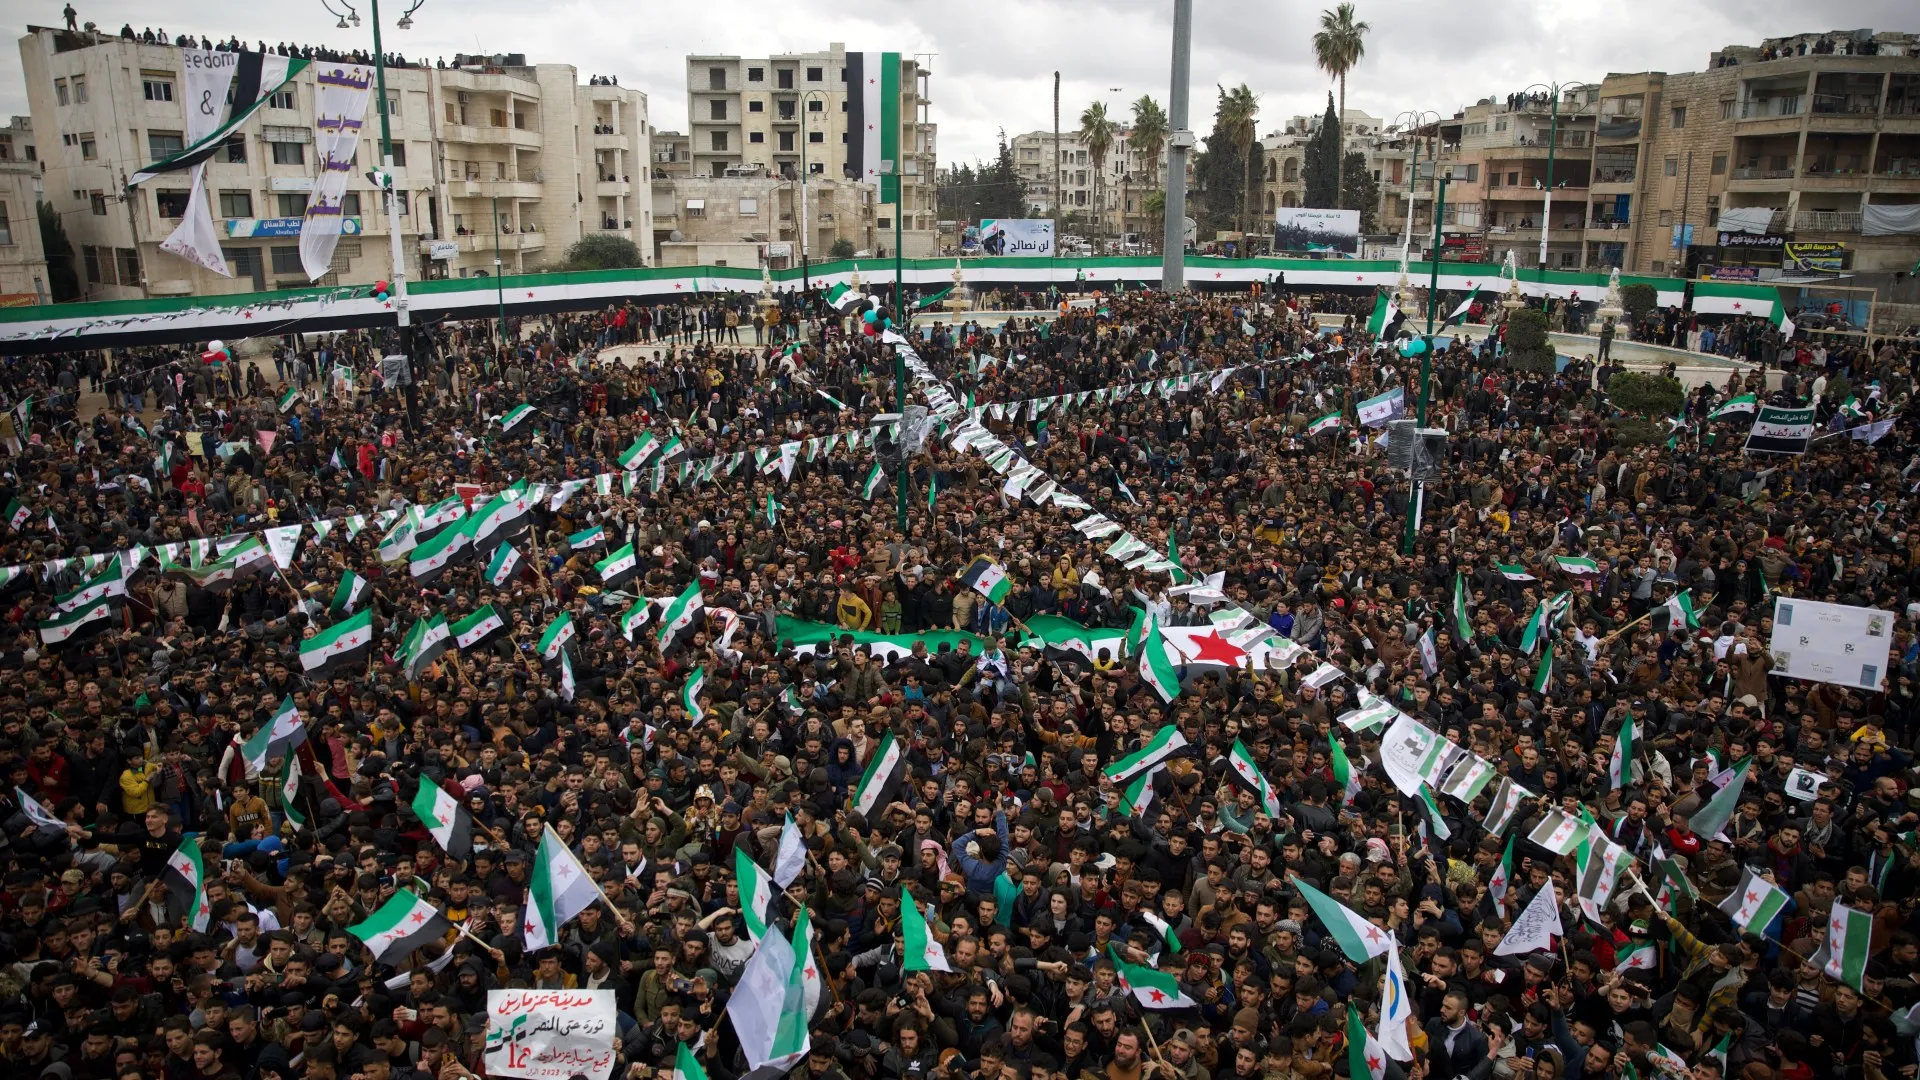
<point x="340" y="107"/>
<point x="208" y="76"/>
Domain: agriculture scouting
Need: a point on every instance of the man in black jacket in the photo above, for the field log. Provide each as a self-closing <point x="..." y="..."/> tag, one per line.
<point x="1454" y="1043"/>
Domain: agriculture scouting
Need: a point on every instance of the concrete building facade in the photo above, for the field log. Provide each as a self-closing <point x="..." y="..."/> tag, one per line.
<point x="560" y="160"/>
<point x="779" y="115"/>
<point x="23" y="261"/>
<point x="1796" y="136"/>
<point x="1387" y="152"/>
<point x="694" y="213"/>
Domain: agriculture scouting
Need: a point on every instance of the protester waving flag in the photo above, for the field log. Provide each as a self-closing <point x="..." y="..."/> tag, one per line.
<point x="403" y="924"/>
<point x="921" y="950"/>
<point x="445" y="818"/>
<point x="186" y="878"/>
<point x="1151" y="988"/>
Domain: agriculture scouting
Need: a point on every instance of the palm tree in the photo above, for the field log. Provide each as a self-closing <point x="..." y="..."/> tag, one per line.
<point x="1149" y="135"/>
<point x="1155" y="207"/>
<point x="1235" y="115"/>
<point x="1337" y="49"/>
<point x="1097" y="131"/>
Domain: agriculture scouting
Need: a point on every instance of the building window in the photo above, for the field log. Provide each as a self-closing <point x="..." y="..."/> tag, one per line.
<point x="282" y="99"/>
<point x="696" y="208"/>
<point x="128" y="261"/>
<point x="79" y="90"/>
<point x="756" y="106"/>
<point x="289" y="153"/>
<point x="400" y="200"/>
<point x="1678" y="118"/>
<point x="1719" y="164"/>
<point x="98" y="201"/>
<point x="814" y="105"/>
<point x="156" y="88"/>
<point x="286" y="258"/>
<point x="1713" y="211"/>
<point x="816" y="167"/>
<point x="164" y="144"/>
<point x="60" y="91"/>
<point x="350" y="204"/>
<point x="784" y="78"/>
<point x="815" y="74"/>
<point x="88" y="148"/>
<point x="1666" y="219"/>
<point x="718" y="141"/>
<point x="291" y="204"/>
<point x="393" y="104"/>
<point x="755" y="74"/>
<point x="1659" y="266"/>
<point x="236" y="204"/>
<point x="786" y="142"/>
<point x="1726" y="109"/>
<point x="497" y="117"/>
<point x="234" y="150"/>
<point x="816" y="136"/>
<point x="170" y="204"/>
<point x="749" y="207"/>
<point x="6" y="227"/>
<point x="399" y="155"/>
<point x="756" y="136"/>
<point x="717" y="109"/>
<point x="884" y="223"/>
<point x="90" y="255"/>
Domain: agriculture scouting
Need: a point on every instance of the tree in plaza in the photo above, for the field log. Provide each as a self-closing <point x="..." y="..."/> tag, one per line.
<point x="841" y="249"/>
<point x="974" y="192"/>
<point x="1234" y="117"/>
<point x="1528" y="347"/>
<point x="1337" y="47"/>
<point x="1322" y="171"/>
<point x="1149" y="135"/>
<point x="1155" y="206"/>
<point x="603" y="251"/>
<point x="1097" y="130"/>
<point x="1358" y="189"/>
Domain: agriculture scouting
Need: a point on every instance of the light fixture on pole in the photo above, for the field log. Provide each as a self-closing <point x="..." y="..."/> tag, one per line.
<point x="1411" y="121"/>
<point x="384" y="178"/>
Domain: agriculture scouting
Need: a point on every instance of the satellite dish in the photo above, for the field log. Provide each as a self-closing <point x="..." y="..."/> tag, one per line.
<point x="675" y="236"/>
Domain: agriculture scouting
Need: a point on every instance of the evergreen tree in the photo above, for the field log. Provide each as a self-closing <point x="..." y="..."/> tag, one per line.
<point x="971" y="193"/>
<point x="1359" y="191"/>
<point x="1322" y="172"/>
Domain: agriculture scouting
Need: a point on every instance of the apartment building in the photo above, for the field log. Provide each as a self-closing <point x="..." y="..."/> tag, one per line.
<point x="781" y="115"/>
<point x="1125" y="180"/>
<point x="1502" y="155"/>
<point x="699" y="214"/>
<point x="1766" y="165"/>
<point x="23" y="262"/>
<point x="555" y="157"/>
<point x="1388" y="154"/>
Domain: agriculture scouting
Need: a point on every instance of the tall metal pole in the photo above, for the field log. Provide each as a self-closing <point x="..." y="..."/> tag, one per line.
<point x="1416" y="493"/>
<point x="905" y="329"/>
<point x="399" y="277"/>
<point x="499" y="279"/>
<point x="1173" y="233"/>
<point x="1553" y="137"/>
<point x="804" y="268"/>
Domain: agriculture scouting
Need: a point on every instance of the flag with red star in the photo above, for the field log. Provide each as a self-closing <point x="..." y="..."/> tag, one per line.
<point x="1152" y="988"/>
<point x="557" y="890"/>
<point x="402" y="924"/>
<point x="1364" y="1056"/>
<point x="921" y="951"/>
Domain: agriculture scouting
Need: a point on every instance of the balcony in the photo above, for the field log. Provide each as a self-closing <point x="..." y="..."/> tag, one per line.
<point x="1608" y="228"/>
<point x="1826" y="221"/>
<point x="501" y="189"/>
<point x="1770" y="108"/>
<point x="612" y="189"/>
<point x="509" y="241"/>
<point x="609" y="140"/>
<point x="476" y="135"/>
<point x="1755" y="172"/>
<point x="1602" y="177"/>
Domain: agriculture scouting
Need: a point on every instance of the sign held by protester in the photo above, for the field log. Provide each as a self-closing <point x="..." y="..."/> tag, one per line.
<point x="1831" y="643"/>
<point x="550" y="1034"/>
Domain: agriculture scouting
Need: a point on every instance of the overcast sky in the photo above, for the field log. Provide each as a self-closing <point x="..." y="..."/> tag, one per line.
<point x="993" y="60"/>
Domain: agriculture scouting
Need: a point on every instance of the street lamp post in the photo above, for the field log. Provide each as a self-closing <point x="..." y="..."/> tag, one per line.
<point x="1173" y="231"/>
<point x="805" y="226"/>
<point x="1554" y="90"/>
<point x="385" y="179"/>
<point x="1416" y="495"/>
<point x="1413" y="119"/>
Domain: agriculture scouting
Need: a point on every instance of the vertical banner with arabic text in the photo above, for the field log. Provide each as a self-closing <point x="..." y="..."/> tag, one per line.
<point x="339" y="107"/>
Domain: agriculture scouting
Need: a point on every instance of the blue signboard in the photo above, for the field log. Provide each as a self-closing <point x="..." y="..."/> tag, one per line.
<point x="263" y="228"/>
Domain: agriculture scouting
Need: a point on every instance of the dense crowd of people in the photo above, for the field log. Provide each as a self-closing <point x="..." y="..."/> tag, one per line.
<point x="829" y="636"/>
